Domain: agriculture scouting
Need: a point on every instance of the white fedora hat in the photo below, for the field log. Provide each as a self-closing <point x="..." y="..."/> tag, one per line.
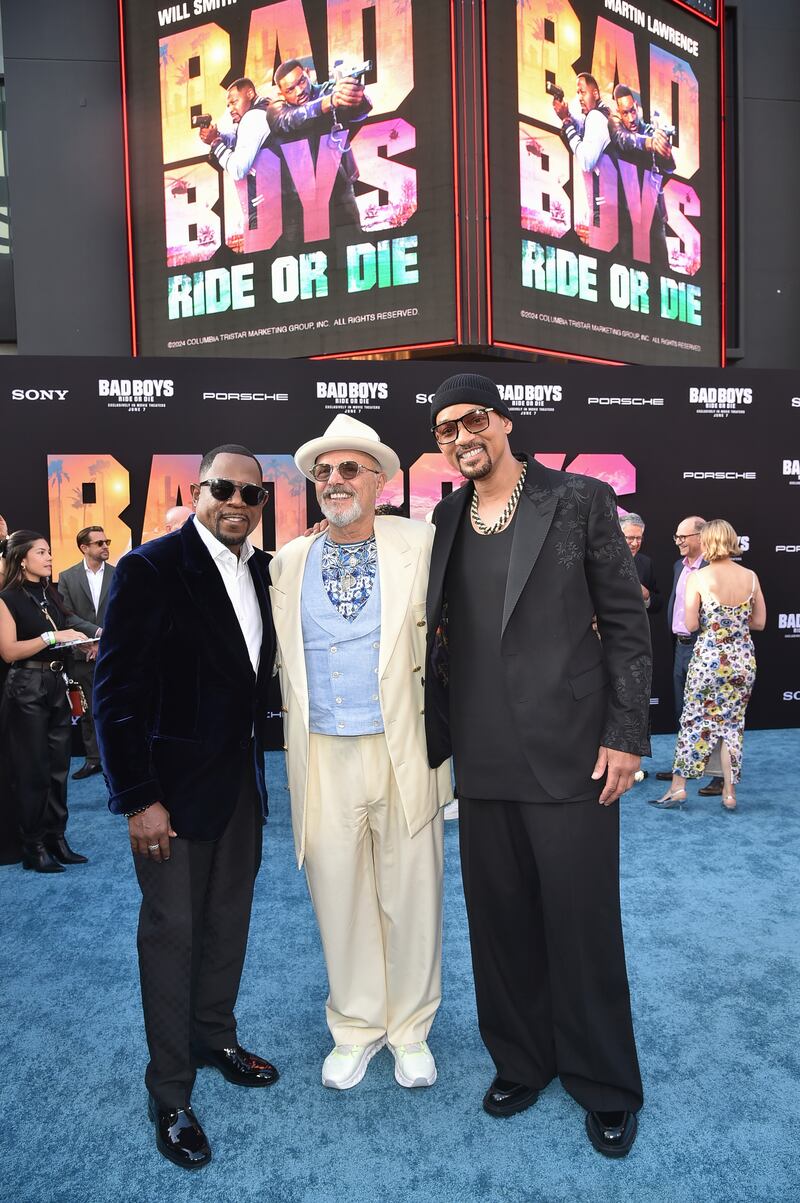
<point x="347" y="434"/>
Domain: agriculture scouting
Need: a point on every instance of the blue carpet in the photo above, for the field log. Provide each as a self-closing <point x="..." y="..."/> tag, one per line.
<point x="712" y="916"/>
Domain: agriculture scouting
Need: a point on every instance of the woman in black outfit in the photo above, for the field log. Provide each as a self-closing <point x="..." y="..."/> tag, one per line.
<point x="36" y="715"/>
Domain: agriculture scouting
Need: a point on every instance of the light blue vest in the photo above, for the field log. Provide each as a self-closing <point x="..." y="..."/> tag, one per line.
<point x="341" y="658"/>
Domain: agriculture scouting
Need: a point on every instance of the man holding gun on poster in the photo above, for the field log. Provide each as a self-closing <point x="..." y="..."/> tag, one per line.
<point x="236" y="152"/>
<point x="587" y="144"/>
<point x="648" y="146"/>
<point x="315" y="111"/>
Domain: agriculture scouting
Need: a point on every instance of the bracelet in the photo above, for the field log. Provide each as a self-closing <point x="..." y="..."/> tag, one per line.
<point x="141" y="810"/>
<point x="45" y="638"/>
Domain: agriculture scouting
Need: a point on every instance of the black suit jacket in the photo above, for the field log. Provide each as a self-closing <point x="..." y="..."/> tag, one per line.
<point x="74" y="589"/>
<point x="647" y="577"/>
<point x="175" y="695"/>
<point x="570" y="692"/>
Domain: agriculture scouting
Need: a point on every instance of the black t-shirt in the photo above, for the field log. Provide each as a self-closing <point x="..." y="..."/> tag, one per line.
<point x="28" y="604"/>
<point x="487" y="750"/>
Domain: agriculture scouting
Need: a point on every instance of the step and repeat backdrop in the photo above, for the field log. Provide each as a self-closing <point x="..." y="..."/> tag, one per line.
<point x="117" y="443"/>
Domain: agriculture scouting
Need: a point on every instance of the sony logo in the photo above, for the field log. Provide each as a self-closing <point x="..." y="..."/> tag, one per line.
<point x="719" y="476"/>
<point x="791" y="695"/>
<point x="39" y="394"/>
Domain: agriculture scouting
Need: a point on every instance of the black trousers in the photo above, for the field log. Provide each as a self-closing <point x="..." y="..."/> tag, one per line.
<point x="82" y="671"/>
<point x="192" y="939"/>
<point x="38" y="733"/>
<point x="541" y="882"/>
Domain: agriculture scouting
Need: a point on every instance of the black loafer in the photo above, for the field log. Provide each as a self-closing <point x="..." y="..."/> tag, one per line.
<point x="612" y="1132"/>
<point x="179" y="1137"/>
<point x="507" y="1098"/>
<point x="87" y="769"/>
<point x="665" y="776"/>
<point x="713" y="789"/>
<point x="61" y="851"/>
<point x="238" y="1066"/>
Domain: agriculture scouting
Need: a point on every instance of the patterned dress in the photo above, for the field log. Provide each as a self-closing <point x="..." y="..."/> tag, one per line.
<point x="718" y="687"/>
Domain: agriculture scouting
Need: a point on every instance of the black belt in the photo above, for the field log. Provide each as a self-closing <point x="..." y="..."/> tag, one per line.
<point x="53" y="666"/>
<point x="686" y="638"/>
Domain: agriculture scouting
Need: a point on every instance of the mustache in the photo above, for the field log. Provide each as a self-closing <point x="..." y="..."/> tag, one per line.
<point x="328" y="493"/>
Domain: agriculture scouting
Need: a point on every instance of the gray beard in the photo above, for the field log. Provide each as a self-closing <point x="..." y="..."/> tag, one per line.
<point x="342" y="517"/>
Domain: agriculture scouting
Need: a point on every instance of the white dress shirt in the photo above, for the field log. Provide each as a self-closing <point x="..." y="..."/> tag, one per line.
<point x="240" y="588"/>
<point x="95" y="580"/>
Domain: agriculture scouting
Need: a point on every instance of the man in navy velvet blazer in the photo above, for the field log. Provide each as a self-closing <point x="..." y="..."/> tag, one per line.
<point x="180" y="697"/>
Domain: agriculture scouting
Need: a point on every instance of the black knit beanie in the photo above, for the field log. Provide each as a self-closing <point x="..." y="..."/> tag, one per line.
<point x="468" y="388"/>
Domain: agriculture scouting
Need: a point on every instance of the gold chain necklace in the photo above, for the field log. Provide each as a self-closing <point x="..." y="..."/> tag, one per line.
<point x="505" y="517"/>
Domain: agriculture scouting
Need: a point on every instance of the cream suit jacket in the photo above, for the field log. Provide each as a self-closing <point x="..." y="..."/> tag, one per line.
<point x="404" y="552"/>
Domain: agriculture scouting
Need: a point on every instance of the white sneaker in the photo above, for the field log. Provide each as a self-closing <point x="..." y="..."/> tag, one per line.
<point x="451" y="810"/>
<point x="413" y="1064"/>
<point x="346" y="1064"/>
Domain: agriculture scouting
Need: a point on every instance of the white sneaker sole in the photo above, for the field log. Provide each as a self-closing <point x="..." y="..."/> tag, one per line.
<point x="401" y="1078"/>
<point x="359" y="1071"/>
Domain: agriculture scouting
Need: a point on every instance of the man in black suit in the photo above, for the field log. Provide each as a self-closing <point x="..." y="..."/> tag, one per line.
<point x="180" y="697"/>
<point x="687" y="541"/>
<point x="546" y="723"/>
<point x="85" y="588"/>
<point x="633" y="530"/>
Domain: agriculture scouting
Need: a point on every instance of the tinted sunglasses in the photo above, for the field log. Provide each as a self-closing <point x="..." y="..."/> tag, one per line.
<point x="99" y="543"/>
<point x="348" y="470"/>
<point x="473" y="422"/>
<point x="223" y="490"/>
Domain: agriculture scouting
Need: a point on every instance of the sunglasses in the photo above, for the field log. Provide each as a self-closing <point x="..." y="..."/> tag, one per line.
<point x="222" y="490"/>
<point x="473" y="422"/>
<point x="348" y="470"/>
<point x="99" y="543"/>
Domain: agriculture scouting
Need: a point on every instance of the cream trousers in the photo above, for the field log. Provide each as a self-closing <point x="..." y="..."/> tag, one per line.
<point x="377" y="894"/>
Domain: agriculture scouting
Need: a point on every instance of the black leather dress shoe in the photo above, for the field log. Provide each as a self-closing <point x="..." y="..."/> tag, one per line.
<point x="665" y="776"/>
<point x="507" y="1098"/>
<point x="87" y="769"/>
<point x="612" y="1132"/>
<point x="713" y="789"/>
<point x="238" y="1066"/>
<point x="61" y="851"/>
<point x="179" y="1137"/>
<point x="36" y="856"/>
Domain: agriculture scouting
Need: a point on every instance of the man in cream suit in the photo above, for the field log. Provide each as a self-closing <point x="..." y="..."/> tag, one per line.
<point x="349" y="611"/>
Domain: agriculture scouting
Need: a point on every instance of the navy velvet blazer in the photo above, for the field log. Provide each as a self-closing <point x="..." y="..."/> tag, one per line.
<point x="175" y="695"/>
<point x="570" y="691"/>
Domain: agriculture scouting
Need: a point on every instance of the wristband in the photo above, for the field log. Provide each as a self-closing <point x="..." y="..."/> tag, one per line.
<point x="45" y="638"/>
<point x="130" y="814"/>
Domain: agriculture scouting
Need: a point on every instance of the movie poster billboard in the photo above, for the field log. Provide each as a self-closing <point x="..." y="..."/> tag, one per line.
<point x="604" y="179"/>
<point x="290" y="175"/>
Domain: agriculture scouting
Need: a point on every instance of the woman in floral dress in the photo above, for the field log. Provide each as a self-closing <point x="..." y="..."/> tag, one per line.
<point x="726" y="602"/>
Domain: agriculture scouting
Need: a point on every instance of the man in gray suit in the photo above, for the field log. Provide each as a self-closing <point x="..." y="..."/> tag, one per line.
<point x="85" y="588"/>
